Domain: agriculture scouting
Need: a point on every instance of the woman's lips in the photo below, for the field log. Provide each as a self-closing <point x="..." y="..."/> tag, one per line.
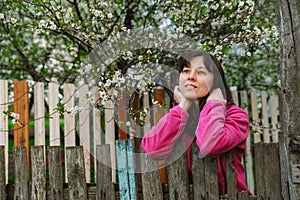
<point x="190" y="86"/>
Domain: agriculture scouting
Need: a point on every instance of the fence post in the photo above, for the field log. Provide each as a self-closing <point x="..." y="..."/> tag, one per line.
<point x="124" y="150"/>
<point x="198" y="171"/>
<point x="152" y="188"/>
<point x="76" y="173"/>
<point x="178" y="180"/>
<point x="55" y="173"/>
<point x="267" y="168"/>
<point x="105" y="187"/>
<point x="205" y="175"/>
<point x="231" y="176"/>
<point x="20" y="174"/>
<point x="2" y="173"/>
<point x="38" y="187"/>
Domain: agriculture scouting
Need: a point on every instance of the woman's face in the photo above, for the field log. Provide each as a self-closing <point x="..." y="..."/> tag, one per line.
<point x="195" y="81"/>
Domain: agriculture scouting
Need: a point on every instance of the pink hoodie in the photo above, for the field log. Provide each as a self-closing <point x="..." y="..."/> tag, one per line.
<point x="219" y="130"/>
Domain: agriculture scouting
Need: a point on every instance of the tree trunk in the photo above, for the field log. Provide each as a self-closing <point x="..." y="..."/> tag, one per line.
<point x="289" y="26"/>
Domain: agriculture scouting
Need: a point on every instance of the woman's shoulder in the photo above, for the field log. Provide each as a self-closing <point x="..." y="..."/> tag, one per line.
<point x="233" y="109"/>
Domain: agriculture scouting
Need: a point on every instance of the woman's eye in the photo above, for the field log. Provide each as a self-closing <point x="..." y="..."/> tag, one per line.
<point x="185" y="71"/>
<point x="201" y="72"/>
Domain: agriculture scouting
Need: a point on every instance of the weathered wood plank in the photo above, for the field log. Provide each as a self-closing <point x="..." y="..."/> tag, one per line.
<point x="272" y="171"/>
<point x="260" y="170"/>
<point x="211" y="178"/>
<point x="122" y="129"/>
<point x="267" y="168"/>
<point x="20" y="173"/>
<point x="255" y="119"/>
<point x="235" y="96"/>
<point x="39" y="114"/>
<point x="243" y="196"/>
<point x="84" y="129"/>
<point x="105" y="187"/>
<point x="130" y="168"/>
<point x="265" y="117"/>
<point x="110" y="135"/>
<point x="55" y="173"/>
<point x="69" y="120"/>
<point x="274" y="116"/>
<point x="54" y="130"/>
<point x="248" y="151"/>
<point x="231" y="176"/>
<point x="69" y="126"/>
<point x="4" y="122"/>
<point x="198" y="171"/>
<point x="38" y="184"/>
<point x="97" y="132"/>
<point x="2" y="173"/>
<point x="159" y="112"/>
<point x="152" y="188"/>
<point x="76" y="173"/>
<point x="177" y="168"/>
<point x="124" y="186"/>
<point x="21" y="107"/>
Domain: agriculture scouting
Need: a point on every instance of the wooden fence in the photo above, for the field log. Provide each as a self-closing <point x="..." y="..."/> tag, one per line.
<point x="74" y="171"/>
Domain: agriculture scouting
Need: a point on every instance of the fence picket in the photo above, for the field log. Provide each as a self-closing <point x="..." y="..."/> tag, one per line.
<point x="130" y="168"/>
<point x="159" y="112"/>
<point x="255" y="119"/>
<point x="265" y="117"/>
<point x="231" y="176"/>
<point x="198" y="171"/>
<point x="274" y="116"/>
<point x="152" y="188"/>
<point x="21" y="107"/>
<point x="110" y="135"/>
<point x="105" y="188"/>
<point x="235" y="97"/>
<point x="178" y="180"/>
<point x="55" y="173"/>
<point x="267" y="168"/>
<point x="38" y="186"/>
<point x="2" y="173"/>
<point x="76" y="173"/>
<point x="84" y="129"/>
<point x="248" y="151"/>
<point x="54" y="130"/>
<point x="69" y="125"/>
<point x="69" y="121"/>
<point x="211" y="172"/>
<point x="39" y="114"/>
<point x="126" y="169"/>
<point x="4" y="122"/>
<point x="20" y="173"/>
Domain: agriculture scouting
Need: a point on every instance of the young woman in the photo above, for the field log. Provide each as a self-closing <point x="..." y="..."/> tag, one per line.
<point x="205" y="113"/>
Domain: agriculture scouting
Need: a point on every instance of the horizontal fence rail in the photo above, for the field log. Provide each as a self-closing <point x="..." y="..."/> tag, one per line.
<point x="93" y="135"/>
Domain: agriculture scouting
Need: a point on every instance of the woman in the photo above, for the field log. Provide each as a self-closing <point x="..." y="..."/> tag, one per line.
<point x="205" y="113"/>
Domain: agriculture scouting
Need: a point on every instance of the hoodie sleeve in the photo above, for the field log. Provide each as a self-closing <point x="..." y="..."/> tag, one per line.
<point x="159" y="141"/>
<point x="220" y="130"/>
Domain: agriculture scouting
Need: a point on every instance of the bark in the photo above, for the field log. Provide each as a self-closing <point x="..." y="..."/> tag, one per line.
<point x="289" y="26"/>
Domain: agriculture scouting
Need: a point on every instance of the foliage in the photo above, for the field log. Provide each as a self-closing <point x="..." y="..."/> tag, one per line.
<point x="44" y="40"/>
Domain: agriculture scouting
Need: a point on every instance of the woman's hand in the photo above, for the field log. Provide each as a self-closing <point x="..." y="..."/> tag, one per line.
<point x="181" y="100"/>
<point x="216" y="94"/>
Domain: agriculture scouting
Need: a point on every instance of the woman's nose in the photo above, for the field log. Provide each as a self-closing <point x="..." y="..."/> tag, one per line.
<point x="192" y="75"/>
